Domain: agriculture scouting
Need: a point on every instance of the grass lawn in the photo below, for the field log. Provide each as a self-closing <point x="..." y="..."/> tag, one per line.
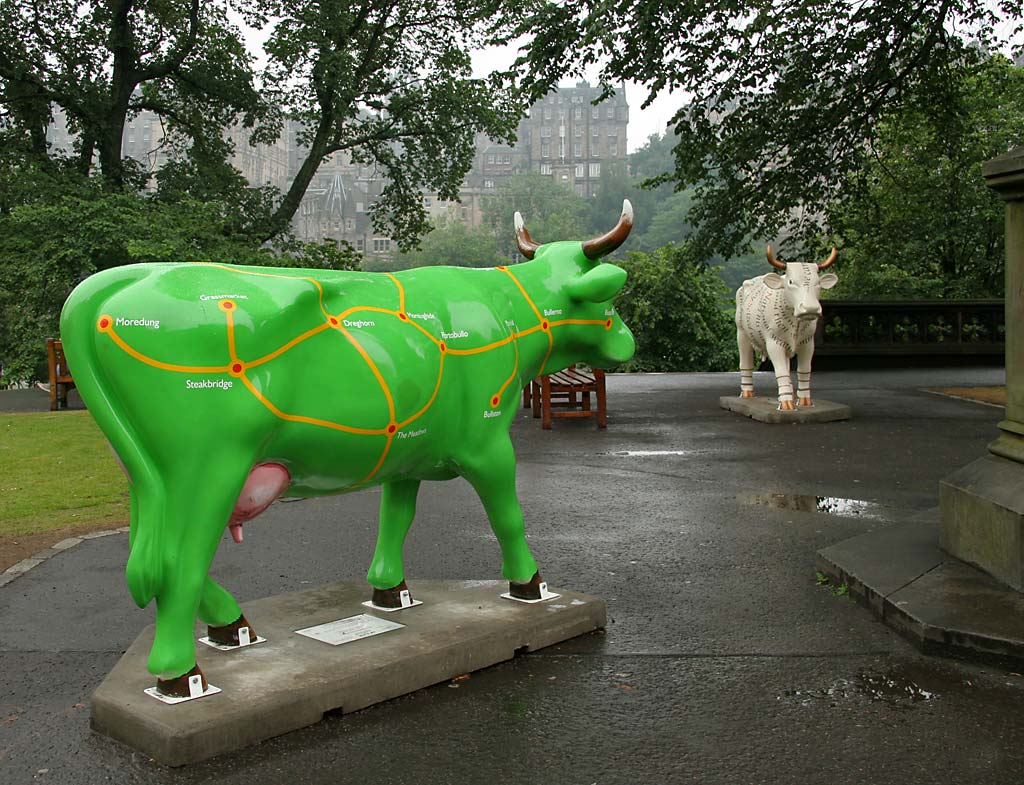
<point x="58" y="475"/>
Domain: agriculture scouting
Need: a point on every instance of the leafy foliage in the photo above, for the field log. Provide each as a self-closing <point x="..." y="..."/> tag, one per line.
<point x="451" y="243"/>
<point x="786" y="97"/>
<point x="551" y="212"/>
<point x="678" y="313"/>
<point x="48" y="246"/>
<point x="389" y="84"/>
<point x="917" y="220"/>
<point x="103" y="62"/>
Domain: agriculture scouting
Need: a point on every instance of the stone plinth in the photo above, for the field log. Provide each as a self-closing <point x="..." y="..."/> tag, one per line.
<point x="767" y="410"/>
<point x="291" y="680"/>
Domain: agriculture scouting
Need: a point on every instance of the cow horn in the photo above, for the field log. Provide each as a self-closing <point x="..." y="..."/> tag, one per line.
<point x="831" y="258"/>
<point x="775" y="262"/>
<point x="606" y="243"/>
<point x="527" y="247"/>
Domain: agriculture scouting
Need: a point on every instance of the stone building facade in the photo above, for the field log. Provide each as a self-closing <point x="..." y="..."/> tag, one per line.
<point x="564" y="136"/>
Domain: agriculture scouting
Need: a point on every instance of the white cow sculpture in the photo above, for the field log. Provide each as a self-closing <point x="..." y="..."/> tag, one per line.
<point x="776" y="314"/>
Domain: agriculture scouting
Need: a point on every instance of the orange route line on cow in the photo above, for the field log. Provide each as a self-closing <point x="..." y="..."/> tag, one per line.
<point x="106" y="325"/>
<point x="308" y="420"/>
<point x="237" y="368"/>
<point x="544" y="324"/>
<point x="428" y="404"/>
<point x="316" y="283"/>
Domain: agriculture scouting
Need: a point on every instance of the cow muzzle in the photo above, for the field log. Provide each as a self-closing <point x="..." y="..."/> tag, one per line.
<point x="807" y="313"/>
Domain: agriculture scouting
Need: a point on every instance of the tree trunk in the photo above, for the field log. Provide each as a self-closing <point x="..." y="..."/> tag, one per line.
<point x="285" y="211"/>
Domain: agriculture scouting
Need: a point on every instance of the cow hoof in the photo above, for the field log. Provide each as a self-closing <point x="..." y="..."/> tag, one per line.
<point x="179" y="687"/>
<point x="806" y="402"/>
<point x="786" y="406"/>
<point x="392" y="598"/>
<point x="526" y="591"/>
<point x="228" y="634"/>
<point x="746" y="394"/>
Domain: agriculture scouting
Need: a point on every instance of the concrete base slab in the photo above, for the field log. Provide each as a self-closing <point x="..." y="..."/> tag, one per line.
<point x="290" y="681"/>
<point x="767" y="410"/>
<point x="941" y="604"/>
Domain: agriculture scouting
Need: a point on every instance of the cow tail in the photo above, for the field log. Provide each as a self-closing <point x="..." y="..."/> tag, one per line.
<point x="144" y="572"/>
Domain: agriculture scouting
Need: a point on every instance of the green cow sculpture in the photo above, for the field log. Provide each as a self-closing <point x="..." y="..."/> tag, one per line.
<point x="222" y="387"/>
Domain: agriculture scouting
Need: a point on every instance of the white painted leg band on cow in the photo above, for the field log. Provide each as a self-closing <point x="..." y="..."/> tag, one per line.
<point x="803" y="383"/>
<point x="785" y="387"/>
<point x="747" y="379"/>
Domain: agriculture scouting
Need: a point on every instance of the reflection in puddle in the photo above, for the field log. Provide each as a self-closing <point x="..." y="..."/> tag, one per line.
<point x="830" y="505"/>
<point x="636" y="453"/>
<point x="890" y="688"/>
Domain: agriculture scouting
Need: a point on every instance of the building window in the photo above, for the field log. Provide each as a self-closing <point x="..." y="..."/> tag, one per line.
<point x="381" y="245"/>
<point x="545" y="131"/>
<point x="360" y="245"/>
<point x="490" y="159"/>
<point x="464" y="212"/>
<point x="595" y="149"/>
<point x="610" y="112"/>
<point x="577" y="113"/>
<point x="595" y="169"/>
<point x="545" y="168"/>
<point x="595" y="131"/>
<point x="581" y="189"/>
<point x="578" y="131"/>
<point x="613" y="146"/>
<point x="547" y="112"/>
<point x="580" y="170"/>
<point x="505" y="159"/>
<point x="488" y="183"/>
<point x="545" y="148"/>
<point x="596" y="112"/>
<point x="577" y="149"/>
<point x="428" y="201"/>
<point x="350" y="224"/>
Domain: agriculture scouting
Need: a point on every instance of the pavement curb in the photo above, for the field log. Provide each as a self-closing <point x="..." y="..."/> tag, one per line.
<point x="33" y="561"/>
<point x="942" y="605"/>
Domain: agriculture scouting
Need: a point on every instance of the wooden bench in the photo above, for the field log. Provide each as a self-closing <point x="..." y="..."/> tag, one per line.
<point x="567" y="394"/>
<point x="60" y="377"/>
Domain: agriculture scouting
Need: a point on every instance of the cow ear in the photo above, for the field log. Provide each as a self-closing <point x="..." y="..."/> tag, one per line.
<point x="600" y="284"/>
<point x="828" y="280"/>
<point x="773" y="281"/>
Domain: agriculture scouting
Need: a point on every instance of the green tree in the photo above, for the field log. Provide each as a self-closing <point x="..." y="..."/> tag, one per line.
<point x="785" y="97"/>
<point x="104" y="62"/>
<point x="453" y="243"/>
<point x="678" y="313"/>
<point x="49" y="246"/>
<point x="389" y="84"/>
<point x="917" y="220"/>
<point x="551" y="211"/>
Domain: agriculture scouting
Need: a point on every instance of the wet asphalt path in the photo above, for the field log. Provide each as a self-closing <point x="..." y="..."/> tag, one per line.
<point x="723" y="662"/>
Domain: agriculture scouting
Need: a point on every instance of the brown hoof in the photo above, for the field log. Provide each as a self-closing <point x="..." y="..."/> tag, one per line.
<point x="390" y="598"/>
<point x="786" y="406"/>
<point x="806" y="402"/>
<point x="228" y="634"/>
<point x="746" y="394"/>
<point x="178" y="688"/>
<point x="526" y="591"/>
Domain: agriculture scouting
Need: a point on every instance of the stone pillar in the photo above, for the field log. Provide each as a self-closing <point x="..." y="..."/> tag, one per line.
<point x="982" y="505"/>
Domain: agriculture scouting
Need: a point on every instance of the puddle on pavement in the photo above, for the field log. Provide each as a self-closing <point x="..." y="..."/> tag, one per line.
<point x="830" y="505"/>
<point x="891" y="688"/>
<point x="647" y="453"/>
